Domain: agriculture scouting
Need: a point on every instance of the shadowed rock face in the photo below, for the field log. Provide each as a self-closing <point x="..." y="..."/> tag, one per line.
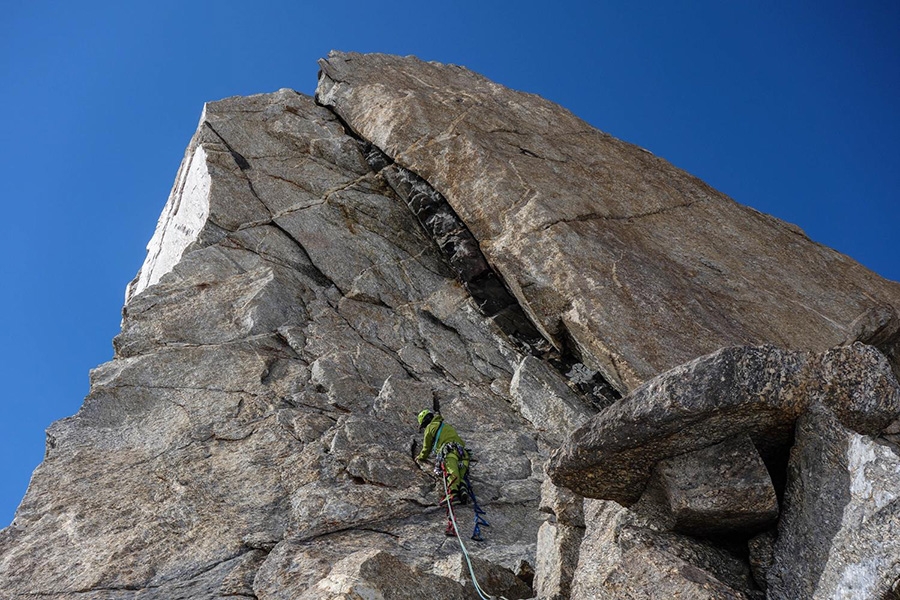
<point x="840" y="534"/>
<point x="722" y="488"/>
<point x="323" y="271"/>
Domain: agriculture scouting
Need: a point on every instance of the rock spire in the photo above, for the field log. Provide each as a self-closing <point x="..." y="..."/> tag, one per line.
<point x="667" y="393"/>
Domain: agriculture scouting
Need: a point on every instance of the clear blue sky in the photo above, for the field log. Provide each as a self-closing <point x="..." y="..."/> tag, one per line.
<point x="790" y="107"/>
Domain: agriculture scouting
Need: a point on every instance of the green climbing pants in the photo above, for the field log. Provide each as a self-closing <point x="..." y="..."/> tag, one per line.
<point x="456" y="469"/>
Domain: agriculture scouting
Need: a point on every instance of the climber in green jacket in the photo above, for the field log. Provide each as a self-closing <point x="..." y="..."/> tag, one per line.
<point x="442" y="439"/>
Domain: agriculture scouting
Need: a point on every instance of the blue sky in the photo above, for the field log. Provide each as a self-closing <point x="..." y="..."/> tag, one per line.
<point x="790" y="109"/>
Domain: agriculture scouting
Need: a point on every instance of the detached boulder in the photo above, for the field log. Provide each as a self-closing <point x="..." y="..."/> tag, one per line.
<point x="752" y="391"/>
<point x="758" y="392"/>
<point x="720" y="489"/>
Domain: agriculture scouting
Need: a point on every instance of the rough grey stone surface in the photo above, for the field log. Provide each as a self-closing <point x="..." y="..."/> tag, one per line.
<point x="720" y="489"/>
<point x="289" y="322"/>
<point x="541" y="395"/>
<point x="839" y="536"/>
<point x="761" y="554"/>
<point x="306" y="294"/>
<point x="558" y="547"/>
<point x="492" y="579"/>
<point x="377" y="574"/>
<point x="601" y="241"/>
<point x="566" y="506"/>
<point x="629" y="553"/>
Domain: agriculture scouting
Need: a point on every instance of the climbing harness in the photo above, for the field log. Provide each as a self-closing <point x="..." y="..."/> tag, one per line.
<point x="478" y="522"/>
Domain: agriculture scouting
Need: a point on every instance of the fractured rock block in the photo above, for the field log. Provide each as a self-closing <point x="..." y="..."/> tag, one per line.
<point x="646" y="573"/>
<point x="557" y="558"/>
<point x="719" y="489"/>
<point x="624" y="554"/>
<point x="743" y="390"/>
<point x="377" y="574"/>
<point x="756" y="391"/>
<point x="839" y="534"/>
<point x="541" y="395"/>
<point x="492" y="578"/>
<point x="567" y="506"/>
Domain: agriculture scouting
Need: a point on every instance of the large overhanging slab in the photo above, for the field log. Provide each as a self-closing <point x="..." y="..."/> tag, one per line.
<point x="638" y="264"/>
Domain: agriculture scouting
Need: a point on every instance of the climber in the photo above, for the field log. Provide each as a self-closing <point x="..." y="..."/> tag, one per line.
<point x="441" y="438"/>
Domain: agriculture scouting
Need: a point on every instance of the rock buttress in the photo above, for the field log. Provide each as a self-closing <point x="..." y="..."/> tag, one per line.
<point x="254" y="427"/>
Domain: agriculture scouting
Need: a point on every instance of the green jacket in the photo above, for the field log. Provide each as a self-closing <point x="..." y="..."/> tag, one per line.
<point x="448" y="434"/>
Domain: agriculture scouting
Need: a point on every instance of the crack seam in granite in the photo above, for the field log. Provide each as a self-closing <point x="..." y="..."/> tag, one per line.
<point x="515" y="336"/>
<point x="317" y="274"/>
<point x="596" y="217"/>
<point x="235" y="342"/>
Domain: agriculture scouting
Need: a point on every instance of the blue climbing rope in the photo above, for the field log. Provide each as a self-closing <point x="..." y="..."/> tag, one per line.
<point x="480" y="521"/>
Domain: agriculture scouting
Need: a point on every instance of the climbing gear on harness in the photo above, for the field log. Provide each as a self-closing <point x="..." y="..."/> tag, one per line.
<point x="454" y="459"/>
<point x="465" y="491"/>
<point x="452" y="529"/>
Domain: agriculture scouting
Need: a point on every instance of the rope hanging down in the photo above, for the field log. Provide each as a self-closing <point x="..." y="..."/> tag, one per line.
<point x="479" y="512"/>
<point x="478" y="522"/>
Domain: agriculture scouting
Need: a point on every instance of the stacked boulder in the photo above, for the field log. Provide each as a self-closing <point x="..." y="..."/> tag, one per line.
<point x="751" y="470"/>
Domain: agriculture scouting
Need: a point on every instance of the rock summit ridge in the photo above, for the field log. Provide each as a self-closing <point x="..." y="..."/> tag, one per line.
<point x="667" y="393"/>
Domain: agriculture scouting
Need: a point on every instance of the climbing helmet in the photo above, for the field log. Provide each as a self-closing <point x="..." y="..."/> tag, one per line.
<point x="422" y="415"/>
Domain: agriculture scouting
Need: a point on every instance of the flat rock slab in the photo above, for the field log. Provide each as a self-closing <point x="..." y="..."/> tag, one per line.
<point x="754" y="391"/>
<point x="601" y="241"/>
<point x="751" y="391"/>
<point x="720" y="489"/>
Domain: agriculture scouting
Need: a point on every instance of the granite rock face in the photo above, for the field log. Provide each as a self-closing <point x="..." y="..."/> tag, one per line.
<point x="601" y="241"/>
<point x="290" y="321"/>
<point x="325" y="268"/>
